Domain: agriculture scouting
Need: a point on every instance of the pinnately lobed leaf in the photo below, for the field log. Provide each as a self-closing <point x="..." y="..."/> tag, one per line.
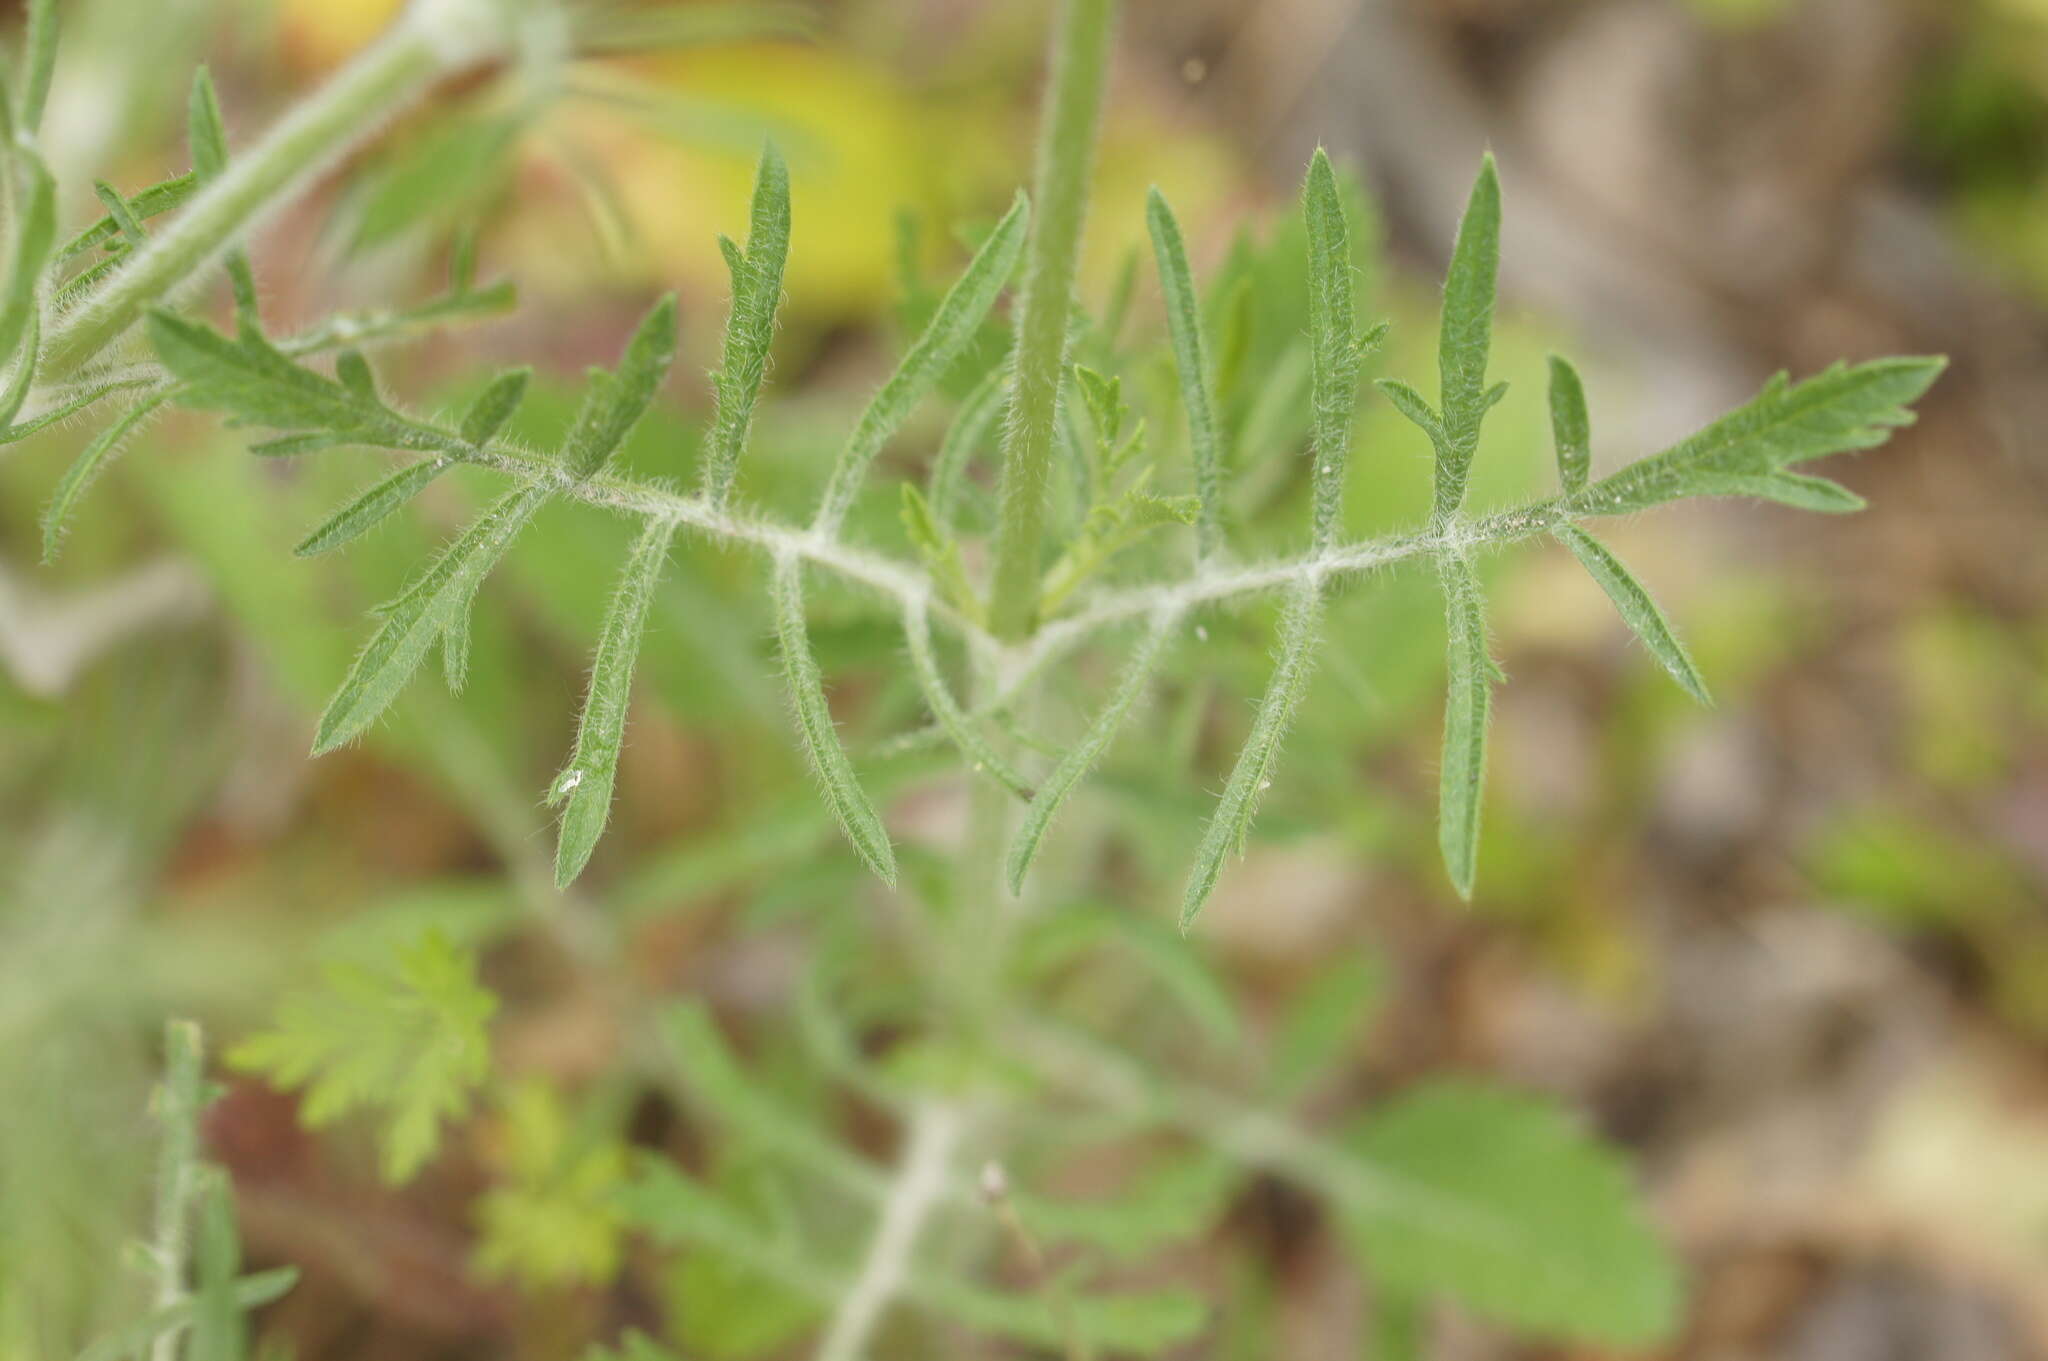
<point x="1082" y="756"/>
<point x="585" y="784"/>
<point x="1466" y="711"/>
<point x="1500" y="1201"/>
<point x="1184" y="328"/>
<point x="1636" y="607"/>
<point x="1466" y="341"/>
<point x="953" y="325"/>
<point x="849" y="802"/>
<point x="417" y="617"/>
<point x="750" y="331"/>
<point x="1300" y="626"/>
<point x="408" y="1036"/>
<point x="917" y="631"/>
<point x="1747" y="452"/>
<point x="1333" y="345"/>
<point x="252" y="381"/>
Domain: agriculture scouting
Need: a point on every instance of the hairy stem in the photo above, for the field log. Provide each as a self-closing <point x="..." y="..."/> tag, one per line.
<point x="433" y="38"/>
<point x="1066" y="154"/>
<point x="178" y="1102"/>
<point x="920" y="1187"/>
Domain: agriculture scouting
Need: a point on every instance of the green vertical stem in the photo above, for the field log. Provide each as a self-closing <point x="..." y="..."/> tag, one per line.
<point x="1066" y="154"/>
<point x="178" y="1104"/>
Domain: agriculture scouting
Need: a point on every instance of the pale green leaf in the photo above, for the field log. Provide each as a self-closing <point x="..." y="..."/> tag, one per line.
<point x="1636" y="608"/>
<point x="1466" y="342"/>
<point x="207" y="133"/>
<point x="1081" y="757"/>
<point x="34" y="232"/>
<point x="848" y="801"/>
<point x="1513" y="1211"/>
<point x="455" y="640"/>
<point x="615" y="402"/>
<point x="1333" y="345"/>
<point x="1300" y="625"/>
<point x="964" y="437"/>
<point x="1139" y="1322"/>
<point x="257" y="384"/>
<point x="750" y="331"/>
<point x="15" y="392"/>
<point x="158" y="198"/>
<point x="1570" y="427"/>
<point x="117" y="208"/>
<point x="487" y="414"/>
<point x="946" y="336"/>
<point x="370" y="509"/>
<point x="938" y="695"/>
<point x="205" y="129"/>
<point x="1789" y="489"/>
<point x="1414" y="406"/>
<point x="716" y="1077"/>
<point x="586" y="782"/>
<point x="38" y="60"/>
<point x="1184" y="327"/>
<point x="219" y="1330"/>
<point x="634" y="1345"/>
<point x="353" y="372"/>
<point x="250" y="1292"/>
<point x="1174" y="1201"/>
<point x="549" y="1218"/>
<point x="417" y="617"/>
<point x="407" y="1038"/>
<point x="1323" y="1017"/>
<point x="1846" y="407"/>
<point x="90" y="463"/>
<point x="1471" y="668"/>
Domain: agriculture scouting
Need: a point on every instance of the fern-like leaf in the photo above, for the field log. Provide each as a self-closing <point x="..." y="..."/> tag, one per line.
<point x="1747" y="452"/>
<point x="408" y="1038"/>
<point x="418" y="617"/>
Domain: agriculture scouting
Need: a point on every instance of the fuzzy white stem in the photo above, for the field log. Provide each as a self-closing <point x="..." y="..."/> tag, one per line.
<point x="921" y="1185"/>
